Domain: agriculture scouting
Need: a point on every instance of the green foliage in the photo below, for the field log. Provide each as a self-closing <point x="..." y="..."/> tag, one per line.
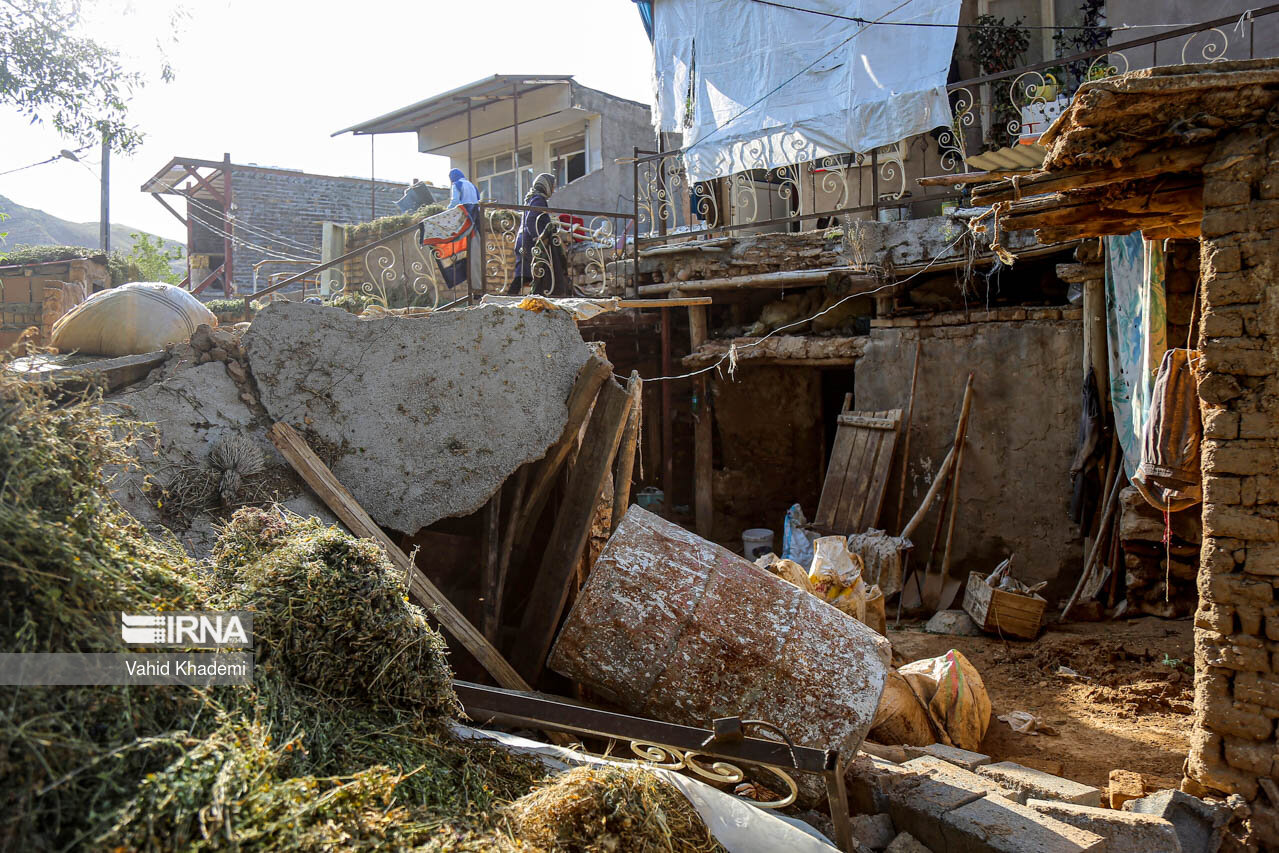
<point x="232" y="309"/>
<point x="151" y="260"/>
<point x="367" y="232"/>
<point x="51" y="72"/>
<point x="997" y="45"/>
<point x="24" y="254"/>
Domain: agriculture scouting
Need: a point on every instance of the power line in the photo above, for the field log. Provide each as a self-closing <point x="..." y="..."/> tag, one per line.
<point x="882" y="23"/>
<point x="191" y="199"/>
<point x="56" y="157"/>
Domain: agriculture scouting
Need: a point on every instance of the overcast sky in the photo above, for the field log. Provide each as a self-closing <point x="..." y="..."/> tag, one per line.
<point x="269" y="80"/>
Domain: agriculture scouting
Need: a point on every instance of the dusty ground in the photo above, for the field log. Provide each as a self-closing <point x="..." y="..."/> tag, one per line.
<point x="1130" y="710"/>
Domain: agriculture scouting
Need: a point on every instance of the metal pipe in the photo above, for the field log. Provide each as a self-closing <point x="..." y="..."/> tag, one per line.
<point x="668" y="428"/>
<point x="228" y="277"/>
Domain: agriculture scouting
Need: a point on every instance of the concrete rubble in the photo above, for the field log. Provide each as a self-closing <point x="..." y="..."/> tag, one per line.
<point x="1125" y="832"/>
<point x="425" y="417"/>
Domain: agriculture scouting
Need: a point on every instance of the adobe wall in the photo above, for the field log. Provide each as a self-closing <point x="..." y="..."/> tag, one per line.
<point x="1014" y="486"/>
<point x="1237" y="622"/>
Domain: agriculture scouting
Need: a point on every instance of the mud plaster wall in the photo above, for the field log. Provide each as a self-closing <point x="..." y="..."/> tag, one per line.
<point x="1237" y="623"/>
<point x="770" y="446"/>
<point x="1014" y="486"/>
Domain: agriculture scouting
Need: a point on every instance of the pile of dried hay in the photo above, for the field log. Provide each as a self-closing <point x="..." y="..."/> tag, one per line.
<point x="605" y="809"/>
<point x="341" y="742"/>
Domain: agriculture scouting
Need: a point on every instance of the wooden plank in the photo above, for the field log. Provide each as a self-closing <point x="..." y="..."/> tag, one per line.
<point x="831" y="487"/>
<point x="877" y="476"/>
<point x="624" y="472"/>
<point x="851" y="496"/>
<point x="336" y="497"/>
<point x="490" y="560"/>
<point x="1147" y="165"/>
<point x="589" y="379"/>
<point x="668" y="302"/>
<point x="572" y="528"/>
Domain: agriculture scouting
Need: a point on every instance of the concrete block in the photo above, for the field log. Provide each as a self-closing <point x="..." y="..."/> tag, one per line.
<point x="955" y="622"/>
<point x="921" y="802"/>
<point x="998" y="825"/>
<point x="867" y="777"/>
<point x="944" y="771"/>
<point x="959" y="757"/>
<point x="874" y="831"/>
<point x="1199" y="825"/>
<point x="1125" y="832"/>
<point x="1125" y="785"/>
<point x="1035" y="783"/>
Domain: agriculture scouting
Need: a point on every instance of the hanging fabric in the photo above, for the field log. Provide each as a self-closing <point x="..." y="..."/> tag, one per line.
<point x="1137" y="329"/>
<point x="1169" y="476"/>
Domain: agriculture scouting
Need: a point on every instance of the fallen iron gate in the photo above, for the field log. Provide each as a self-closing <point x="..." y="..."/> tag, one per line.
<point x="668" y="744"/>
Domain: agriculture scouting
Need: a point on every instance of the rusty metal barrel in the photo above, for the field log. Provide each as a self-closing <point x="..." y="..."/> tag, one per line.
<point x="674" y="627"/>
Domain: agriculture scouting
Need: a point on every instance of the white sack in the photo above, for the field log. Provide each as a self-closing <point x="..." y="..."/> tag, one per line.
<point x="133" y="318"/>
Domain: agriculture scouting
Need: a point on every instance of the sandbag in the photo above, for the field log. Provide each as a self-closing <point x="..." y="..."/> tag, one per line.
<point x="939" y="699"/>
<point x="134" y="318"/>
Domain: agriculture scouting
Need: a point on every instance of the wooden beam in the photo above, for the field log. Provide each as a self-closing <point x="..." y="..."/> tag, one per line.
<point x="962" y="178"/>
<point x="490" y="564"/>
<point x="670" y="302"/>
<point x="572" y="529"/>
<point x="1149" y="165"/>
<point x="589" y="379"/>
<point x="336" y="497"/>
<point x="783" y="279"/>
<point x="625" y="471"/>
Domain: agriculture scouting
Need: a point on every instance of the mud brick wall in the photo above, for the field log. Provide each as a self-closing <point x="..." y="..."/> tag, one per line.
<point x="1237" y="622"/>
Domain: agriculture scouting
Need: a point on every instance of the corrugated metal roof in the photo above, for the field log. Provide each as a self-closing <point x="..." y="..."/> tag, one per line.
<point x="1008" y="158"/>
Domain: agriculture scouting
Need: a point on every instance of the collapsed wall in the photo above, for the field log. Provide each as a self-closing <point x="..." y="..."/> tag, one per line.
<point x="422" y="418"/>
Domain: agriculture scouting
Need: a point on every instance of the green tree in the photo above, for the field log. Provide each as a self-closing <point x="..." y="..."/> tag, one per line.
<point x="50" y="72"/>
<point x="149" y="260"/>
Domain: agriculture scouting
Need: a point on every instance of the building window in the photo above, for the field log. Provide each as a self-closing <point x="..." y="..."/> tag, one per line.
<point x="500" y="178"/>
<point x="568" y="160"/>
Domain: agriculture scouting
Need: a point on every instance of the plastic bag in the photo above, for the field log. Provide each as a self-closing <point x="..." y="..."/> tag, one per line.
<point x="131" y="319"/>
<point x="836" y="576"/>
<point x="948" y="691"/>
<point x="797" y="543"/>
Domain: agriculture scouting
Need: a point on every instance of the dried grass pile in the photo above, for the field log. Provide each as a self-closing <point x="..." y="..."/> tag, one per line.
<point x="609" y="809"/>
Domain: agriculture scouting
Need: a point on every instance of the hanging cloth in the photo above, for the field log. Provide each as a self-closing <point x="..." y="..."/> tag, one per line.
<point x="1137" y="329"/>
<point x="1169" y="476"/>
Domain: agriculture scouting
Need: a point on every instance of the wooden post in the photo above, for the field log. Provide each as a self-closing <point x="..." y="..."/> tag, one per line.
<point x="572" y="528"/>
<point x="703" y="499"/>
<point x="336" y="497"/>
<point x="668" y="428"/>
<point x="625" y="470"/>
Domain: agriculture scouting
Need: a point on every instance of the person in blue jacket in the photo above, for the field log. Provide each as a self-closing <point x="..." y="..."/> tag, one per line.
<point x="463" y="192"/>
<point x="539" y="254"/>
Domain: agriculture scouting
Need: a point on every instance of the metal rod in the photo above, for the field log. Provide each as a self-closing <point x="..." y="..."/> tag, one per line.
<point x="515" y="128"/>
<point x="668" y="429"/>
<point x="228" y="247"/>
<point x="470" y="161"/>
<point x="104" y="220"/>
<point x="372" y="179"/>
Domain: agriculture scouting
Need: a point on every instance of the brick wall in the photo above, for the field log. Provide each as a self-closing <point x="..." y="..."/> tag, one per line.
<point x="1237" y="621"/>
<point x="289" y="205"/>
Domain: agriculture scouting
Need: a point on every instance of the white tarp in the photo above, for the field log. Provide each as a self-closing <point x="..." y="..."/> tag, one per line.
<point x="882" y="85"/>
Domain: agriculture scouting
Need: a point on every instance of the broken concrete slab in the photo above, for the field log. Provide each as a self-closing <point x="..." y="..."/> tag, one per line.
<point x="873" y="831"/>
<point x="906" y="843"/>
<point x="424" y="417"/>
<point x="998" y="825"/>
<point x="1125" y="832"/>
<point x="944" y="771"/>
<point x="1028" y="782"/>
<point x="959" y="757"/>
<point x="867" y="778"/>
<point x="193" y="409"/>
<point x="1200" y="825"/>
<point x="955" y="622"/>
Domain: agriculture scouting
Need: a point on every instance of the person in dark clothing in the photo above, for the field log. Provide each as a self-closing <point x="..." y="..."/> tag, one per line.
<point x="539" y="254"/>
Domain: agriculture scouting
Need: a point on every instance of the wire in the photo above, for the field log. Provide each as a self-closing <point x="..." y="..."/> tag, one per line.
<point x="731" y="355"/>
<point x="881" y="23"/>
<point x="53" y="159"/>
<point x="279" y="238"/>
<point x="209" y="226"/>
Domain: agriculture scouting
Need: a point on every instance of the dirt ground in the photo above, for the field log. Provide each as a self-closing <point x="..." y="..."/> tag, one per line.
<point x="1128" y="709"/>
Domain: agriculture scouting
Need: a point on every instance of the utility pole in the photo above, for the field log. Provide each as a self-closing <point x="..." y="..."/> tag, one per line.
<point x="104" y="218"/>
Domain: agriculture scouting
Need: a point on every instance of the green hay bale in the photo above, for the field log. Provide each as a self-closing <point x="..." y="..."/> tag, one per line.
<point x="331" y="612"/>
<point x="606" y="809"/>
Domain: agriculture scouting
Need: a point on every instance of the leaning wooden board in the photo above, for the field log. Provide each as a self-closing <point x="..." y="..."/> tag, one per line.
<point x="857" y="476"/>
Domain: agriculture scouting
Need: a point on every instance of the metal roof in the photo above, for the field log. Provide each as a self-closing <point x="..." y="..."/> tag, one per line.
<point x="448" y="104"/>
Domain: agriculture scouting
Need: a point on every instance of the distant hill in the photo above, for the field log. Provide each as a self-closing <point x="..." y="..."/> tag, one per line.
<point x="26" y="225"/>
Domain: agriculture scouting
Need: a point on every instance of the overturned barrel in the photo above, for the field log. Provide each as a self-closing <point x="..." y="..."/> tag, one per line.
<point x="674" y="627"/>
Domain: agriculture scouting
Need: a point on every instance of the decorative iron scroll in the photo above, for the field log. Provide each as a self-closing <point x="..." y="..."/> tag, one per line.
<point x="714" y="771"/>
<point x="591" y="245"/>
<point x="396" y="274"/>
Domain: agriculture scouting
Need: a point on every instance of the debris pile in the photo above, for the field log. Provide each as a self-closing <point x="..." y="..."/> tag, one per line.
<point x="1160" y="576"/>
<point x="343" y="739"/>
